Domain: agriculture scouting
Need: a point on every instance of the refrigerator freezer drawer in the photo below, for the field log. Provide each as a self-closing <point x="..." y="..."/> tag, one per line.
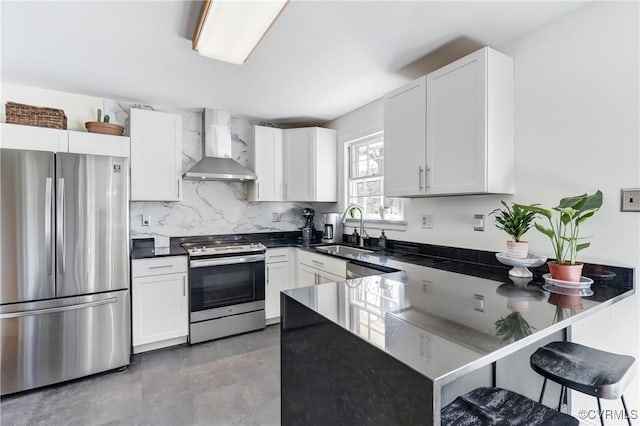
<point x="62" y="339"/>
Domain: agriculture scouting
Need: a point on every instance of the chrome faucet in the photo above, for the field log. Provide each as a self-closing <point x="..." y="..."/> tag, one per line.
<point x="344" y="219"/>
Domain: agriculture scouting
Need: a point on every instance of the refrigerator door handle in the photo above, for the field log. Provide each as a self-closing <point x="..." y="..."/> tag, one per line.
<point x="60" y="227"/>
<point x="43" y="311"/>
<point x="48" y="206"/>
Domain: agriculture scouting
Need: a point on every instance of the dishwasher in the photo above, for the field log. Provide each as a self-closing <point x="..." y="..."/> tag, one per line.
<point x="356" y="270"/>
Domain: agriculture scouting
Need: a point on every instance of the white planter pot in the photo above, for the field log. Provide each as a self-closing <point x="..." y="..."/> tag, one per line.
<point x="519" y="250"/>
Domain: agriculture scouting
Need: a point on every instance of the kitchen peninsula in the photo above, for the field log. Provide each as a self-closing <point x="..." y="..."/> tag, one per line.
<point x="395" y="349"/>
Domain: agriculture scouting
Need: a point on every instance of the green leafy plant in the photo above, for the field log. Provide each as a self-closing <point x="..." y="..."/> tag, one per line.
<point x="106" y="116"/>
<point x="514" y="326"/>
<point x="513" y="220"/>
<point x="564" y="229"/>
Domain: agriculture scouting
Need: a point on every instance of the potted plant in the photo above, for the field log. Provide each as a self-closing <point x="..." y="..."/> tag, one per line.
<point x="515" y="221"/>
<point x="564" y="232"/>
<point x="104" y="127"/>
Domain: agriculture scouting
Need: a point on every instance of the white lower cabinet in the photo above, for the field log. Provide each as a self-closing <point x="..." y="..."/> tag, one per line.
<point x="318" y="269"/>
<point x="278" y="278"/>
<point x="160" y="302"/>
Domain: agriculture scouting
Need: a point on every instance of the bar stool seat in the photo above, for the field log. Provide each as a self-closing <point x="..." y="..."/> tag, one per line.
<point x="584" y="369"/>
<point x="496" y="406"/>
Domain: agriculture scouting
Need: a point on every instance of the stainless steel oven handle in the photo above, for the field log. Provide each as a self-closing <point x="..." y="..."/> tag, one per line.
<point x="227" y="261"/>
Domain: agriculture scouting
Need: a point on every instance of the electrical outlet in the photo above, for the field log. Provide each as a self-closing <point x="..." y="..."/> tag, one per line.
<point x="426" y="221"/>
<point x="630" y="200"/>
<point x="275" y="217"/>
<point x="478" y="222"/>
<point x="146" y="220"/>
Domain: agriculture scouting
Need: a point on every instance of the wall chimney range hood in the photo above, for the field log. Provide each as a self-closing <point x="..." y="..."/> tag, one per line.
<point x="216" y="163"/>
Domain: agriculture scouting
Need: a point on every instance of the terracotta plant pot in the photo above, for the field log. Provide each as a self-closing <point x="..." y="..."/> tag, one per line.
<point x="565" y="272"/>
<point x="104" y="128"/>
<point x="567" y="301"/>
<point x="519" y="249"/>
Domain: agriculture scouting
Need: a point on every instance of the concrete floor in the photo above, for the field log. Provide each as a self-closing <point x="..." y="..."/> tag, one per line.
<point x="232" y="381"/>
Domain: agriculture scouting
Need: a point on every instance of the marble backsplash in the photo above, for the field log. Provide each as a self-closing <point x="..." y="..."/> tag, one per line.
<point x="211" y="207"/>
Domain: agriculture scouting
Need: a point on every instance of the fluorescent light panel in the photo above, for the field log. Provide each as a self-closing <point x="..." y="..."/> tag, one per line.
<point x="231" y="29"/>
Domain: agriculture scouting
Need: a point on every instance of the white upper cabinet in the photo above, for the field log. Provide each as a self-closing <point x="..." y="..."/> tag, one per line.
<point x="156" y="156"/>
<point x="470" y="125"/>
<point x="405" y="112"/>
<point x="268" y="164"/>
<point x="34" y="138"/>
<point x="451" y="132"/>
<point x="16" y="136"/>
<point x="310" y="164"/>
<point x="97" y="144"/>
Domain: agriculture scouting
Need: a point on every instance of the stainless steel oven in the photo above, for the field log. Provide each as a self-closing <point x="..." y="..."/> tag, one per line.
<point x="227" y="290"/>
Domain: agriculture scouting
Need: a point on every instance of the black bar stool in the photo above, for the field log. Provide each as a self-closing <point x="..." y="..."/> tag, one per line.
<point x="496" y="406"/>
<point x="584" y="369"/>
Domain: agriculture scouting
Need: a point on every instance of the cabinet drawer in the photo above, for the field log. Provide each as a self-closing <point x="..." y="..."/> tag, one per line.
<point x="277" y="255"/>
<point x="158" y="266"/>
<point x="328" y="264"/>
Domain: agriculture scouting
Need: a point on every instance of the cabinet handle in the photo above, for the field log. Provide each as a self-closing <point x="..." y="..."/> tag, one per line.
<point x="178" y="182"/>
<point x="184" y="286"/>
<point x="267" y="276"/>
<point x="420" y="171"/>
<point x="317" y="262"/>
<point x="277" y="255"/>
<point x="258" y="190"/>
<point x="160" y="266"/>
<point x="426" y="178"/>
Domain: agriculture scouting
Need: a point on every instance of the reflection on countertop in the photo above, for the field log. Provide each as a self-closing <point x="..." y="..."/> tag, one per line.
<point x="437" y="321"/>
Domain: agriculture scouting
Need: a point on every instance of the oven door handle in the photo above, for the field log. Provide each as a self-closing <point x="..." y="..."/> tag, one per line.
<point x="227" y="261"/>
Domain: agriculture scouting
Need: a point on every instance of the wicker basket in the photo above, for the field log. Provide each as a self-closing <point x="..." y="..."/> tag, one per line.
<point x="35" y="116"/>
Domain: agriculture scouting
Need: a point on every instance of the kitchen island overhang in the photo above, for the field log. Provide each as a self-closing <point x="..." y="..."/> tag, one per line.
<point x="381" y="349"/>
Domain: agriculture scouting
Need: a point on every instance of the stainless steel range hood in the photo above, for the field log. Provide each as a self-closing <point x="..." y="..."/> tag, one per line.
<point x="216" y="163"/>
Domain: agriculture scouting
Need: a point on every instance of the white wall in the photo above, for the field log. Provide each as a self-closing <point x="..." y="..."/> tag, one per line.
<point x="577" y="129"/>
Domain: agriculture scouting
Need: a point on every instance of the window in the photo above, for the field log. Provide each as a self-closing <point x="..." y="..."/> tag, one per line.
<point x="366" y="179"/>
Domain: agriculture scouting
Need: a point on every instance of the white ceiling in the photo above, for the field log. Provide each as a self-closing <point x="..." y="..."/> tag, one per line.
<point x="319" y="61"/>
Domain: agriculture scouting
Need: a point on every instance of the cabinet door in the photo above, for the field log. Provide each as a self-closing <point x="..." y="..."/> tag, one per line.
<point x="456" y="127"/>
<point x="405" y="139"/>
<point x="97" y="144"/>
<point x="268" y="165"/>
<point x="160" y="308"/>
<point x="156" y="156"/>
<point x="31" y="138"/>
<point x="306" y="276"/>
<point x="299" y="166"/>
<point x="326" y="165"/>
<point x="277" y="280"/>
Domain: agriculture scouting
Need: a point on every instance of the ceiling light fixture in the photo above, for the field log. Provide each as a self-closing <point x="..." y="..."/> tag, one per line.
<point x="229" y="30"/>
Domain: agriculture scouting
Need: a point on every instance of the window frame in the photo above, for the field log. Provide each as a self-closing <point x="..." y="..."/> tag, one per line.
<point x="348" y="163"/>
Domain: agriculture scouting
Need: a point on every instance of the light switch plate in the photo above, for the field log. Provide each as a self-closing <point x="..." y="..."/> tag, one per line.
<point x="146" y="220"/>
<point x="478" y="222"/>
<point x="275" y="217"/>
<point x="630" y="201"/>
<point x="478" y="302"/>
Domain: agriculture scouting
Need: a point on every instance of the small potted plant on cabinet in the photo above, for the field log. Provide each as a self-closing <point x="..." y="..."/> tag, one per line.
<point x="564" y="232"/>
<point x="104" y="127"/>
<point x="515" y="221"/>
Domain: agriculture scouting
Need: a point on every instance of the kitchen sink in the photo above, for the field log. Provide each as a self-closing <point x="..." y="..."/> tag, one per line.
<point x="337" y="249"/>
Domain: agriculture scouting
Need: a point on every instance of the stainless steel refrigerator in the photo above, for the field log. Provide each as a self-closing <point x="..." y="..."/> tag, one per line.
<point x="65" y="309"/>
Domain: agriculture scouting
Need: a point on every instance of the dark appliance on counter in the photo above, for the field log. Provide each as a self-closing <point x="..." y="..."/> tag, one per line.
<point x="226" y="288"/>
<point x="309" y="228"/>
<point x="64" y="304"/>
<point x="331" y="228"/>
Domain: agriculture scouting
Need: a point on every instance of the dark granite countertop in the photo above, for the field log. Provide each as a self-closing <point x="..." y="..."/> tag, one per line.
<point x="477" y="312"/>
